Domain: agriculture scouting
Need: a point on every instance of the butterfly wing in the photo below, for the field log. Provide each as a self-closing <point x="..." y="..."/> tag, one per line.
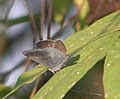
<point x="50" y="57"/>
<point x="57" y="44"/>
<point x="45" y="44"/>
<point x="56" y="58"/>
<point x="60" y="46"/>
<point x="35" y="55"/>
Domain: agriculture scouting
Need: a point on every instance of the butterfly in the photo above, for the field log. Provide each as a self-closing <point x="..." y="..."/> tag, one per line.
<point x="50" y="53"/>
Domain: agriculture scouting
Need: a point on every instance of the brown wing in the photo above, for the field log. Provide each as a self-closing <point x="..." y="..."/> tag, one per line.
<point x="45" y="44"/>
<point x="60" y="46"/>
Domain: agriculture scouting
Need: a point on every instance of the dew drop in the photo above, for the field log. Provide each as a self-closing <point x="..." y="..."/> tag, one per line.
<point x="101" y="48"/>
<point x="106" y="95"/>
<point x="91" y="32"/>
<point x="78" y="73"/>
<point x="108" y="65"/>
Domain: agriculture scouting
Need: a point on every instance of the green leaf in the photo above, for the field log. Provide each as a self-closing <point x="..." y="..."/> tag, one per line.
<point x="28" y="77"/>
<point x="64" y="80"/>
<point x="105" y="25"/>
<point x="90" y="86"/>
<point x="2" y="2"/>
<point x="98" y="39"/>
<point x="17" y="20"/>
<point x="112" y="72"/>
<point x="4" y="90"/>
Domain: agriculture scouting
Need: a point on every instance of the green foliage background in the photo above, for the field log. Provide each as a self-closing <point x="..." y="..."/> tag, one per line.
<point x="95" y="68"/>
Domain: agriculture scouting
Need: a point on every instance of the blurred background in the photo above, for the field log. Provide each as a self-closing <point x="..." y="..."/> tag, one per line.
<point x="17" y="35"/>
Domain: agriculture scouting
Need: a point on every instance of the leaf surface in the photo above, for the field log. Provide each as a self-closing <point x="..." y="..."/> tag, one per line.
<point x="28" y="77"/>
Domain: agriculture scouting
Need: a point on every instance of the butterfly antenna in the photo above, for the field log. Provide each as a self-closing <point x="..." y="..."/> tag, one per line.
<point x="49" y="19"/>
<point x="42" y="18"/>
<point x="32" y="19"/>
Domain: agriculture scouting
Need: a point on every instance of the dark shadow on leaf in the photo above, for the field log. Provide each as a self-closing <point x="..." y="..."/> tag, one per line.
<point x="90" y="86"/>
<point x="72" y="61"/>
